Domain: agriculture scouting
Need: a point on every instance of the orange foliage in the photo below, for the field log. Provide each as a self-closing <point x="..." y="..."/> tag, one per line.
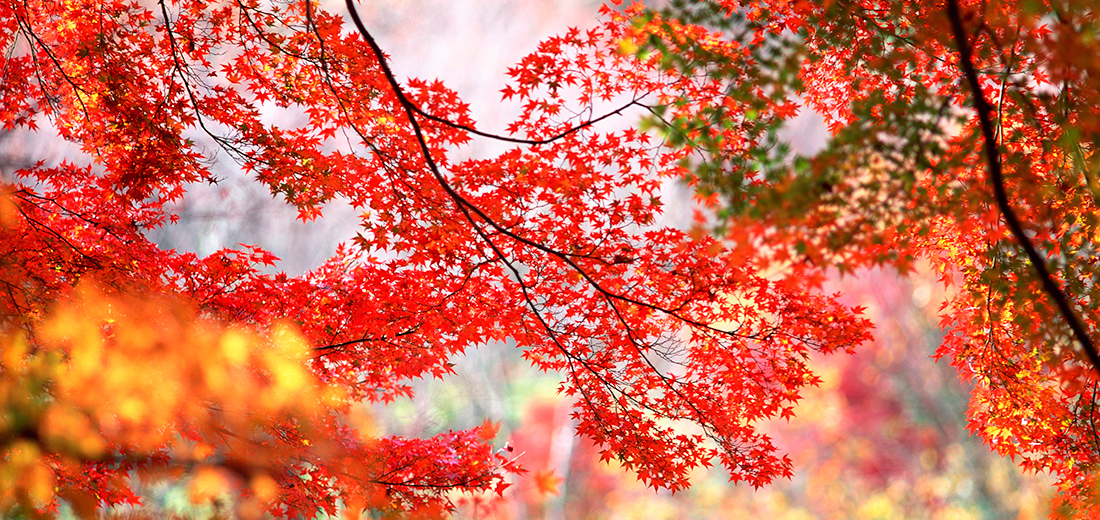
<point x="963" y="134"/>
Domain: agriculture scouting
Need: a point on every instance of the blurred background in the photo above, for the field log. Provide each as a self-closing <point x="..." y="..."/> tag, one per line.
<point x="883" y="437"/>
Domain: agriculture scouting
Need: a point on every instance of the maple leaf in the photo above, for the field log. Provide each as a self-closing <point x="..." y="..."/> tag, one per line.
<point x="547" y="483"/>
<point x="488" y="430"/>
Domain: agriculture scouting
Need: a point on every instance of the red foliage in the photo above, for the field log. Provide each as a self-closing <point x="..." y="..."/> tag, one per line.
<point x="258" y="379"/>
<point x="122" y="357"/>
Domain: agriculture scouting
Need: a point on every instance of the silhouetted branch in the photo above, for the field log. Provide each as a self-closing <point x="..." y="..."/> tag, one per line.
<point x="996" y="178"/>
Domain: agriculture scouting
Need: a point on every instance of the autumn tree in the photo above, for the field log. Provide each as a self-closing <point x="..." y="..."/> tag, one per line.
<point x="963" y="139"/>
<point x="122" y="360"/>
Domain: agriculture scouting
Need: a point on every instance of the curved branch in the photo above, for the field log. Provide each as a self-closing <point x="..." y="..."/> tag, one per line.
<point x="467" y="128"/>
<point x="470" y="210"/>
<point x="996" y="178"/>
<point x="506" y="139"/>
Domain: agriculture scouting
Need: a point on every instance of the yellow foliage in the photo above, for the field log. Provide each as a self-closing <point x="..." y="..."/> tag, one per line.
<point x="265" y="488"/>
<point x="208" y="483"/>
<point x="24" y="477"/>
<point x="104" y="372"/>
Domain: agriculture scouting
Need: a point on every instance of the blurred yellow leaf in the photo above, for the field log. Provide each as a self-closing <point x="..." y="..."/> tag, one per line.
<point x="207" y="484"/>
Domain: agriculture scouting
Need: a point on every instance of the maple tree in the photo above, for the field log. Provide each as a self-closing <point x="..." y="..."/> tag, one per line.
<point x="121" y="358"/>
<point x="124" y="359"/>
<point x="963" y="138"/>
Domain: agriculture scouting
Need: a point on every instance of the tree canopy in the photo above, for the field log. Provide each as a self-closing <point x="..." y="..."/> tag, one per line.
<point x="962" y="137"/>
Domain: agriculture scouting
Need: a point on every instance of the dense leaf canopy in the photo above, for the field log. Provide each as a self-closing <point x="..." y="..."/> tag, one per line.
<point x="121" y="358"/>
<point x="962" y="138"/>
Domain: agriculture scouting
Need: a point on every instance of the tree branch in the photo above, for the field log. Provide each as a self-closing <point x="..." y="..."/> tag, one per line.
<point x="470" y="210"/>
<point x="996" y="179"/>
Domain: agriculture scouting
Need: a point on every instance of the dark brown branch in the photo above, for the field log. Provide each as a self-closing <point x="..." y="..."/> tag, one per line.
<point x="365" y="339"/>
<point x="467" y="128"/>
<point x="469" y="210"/>
<point x="996" y="178"/>
<point x="504" y="138"/>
